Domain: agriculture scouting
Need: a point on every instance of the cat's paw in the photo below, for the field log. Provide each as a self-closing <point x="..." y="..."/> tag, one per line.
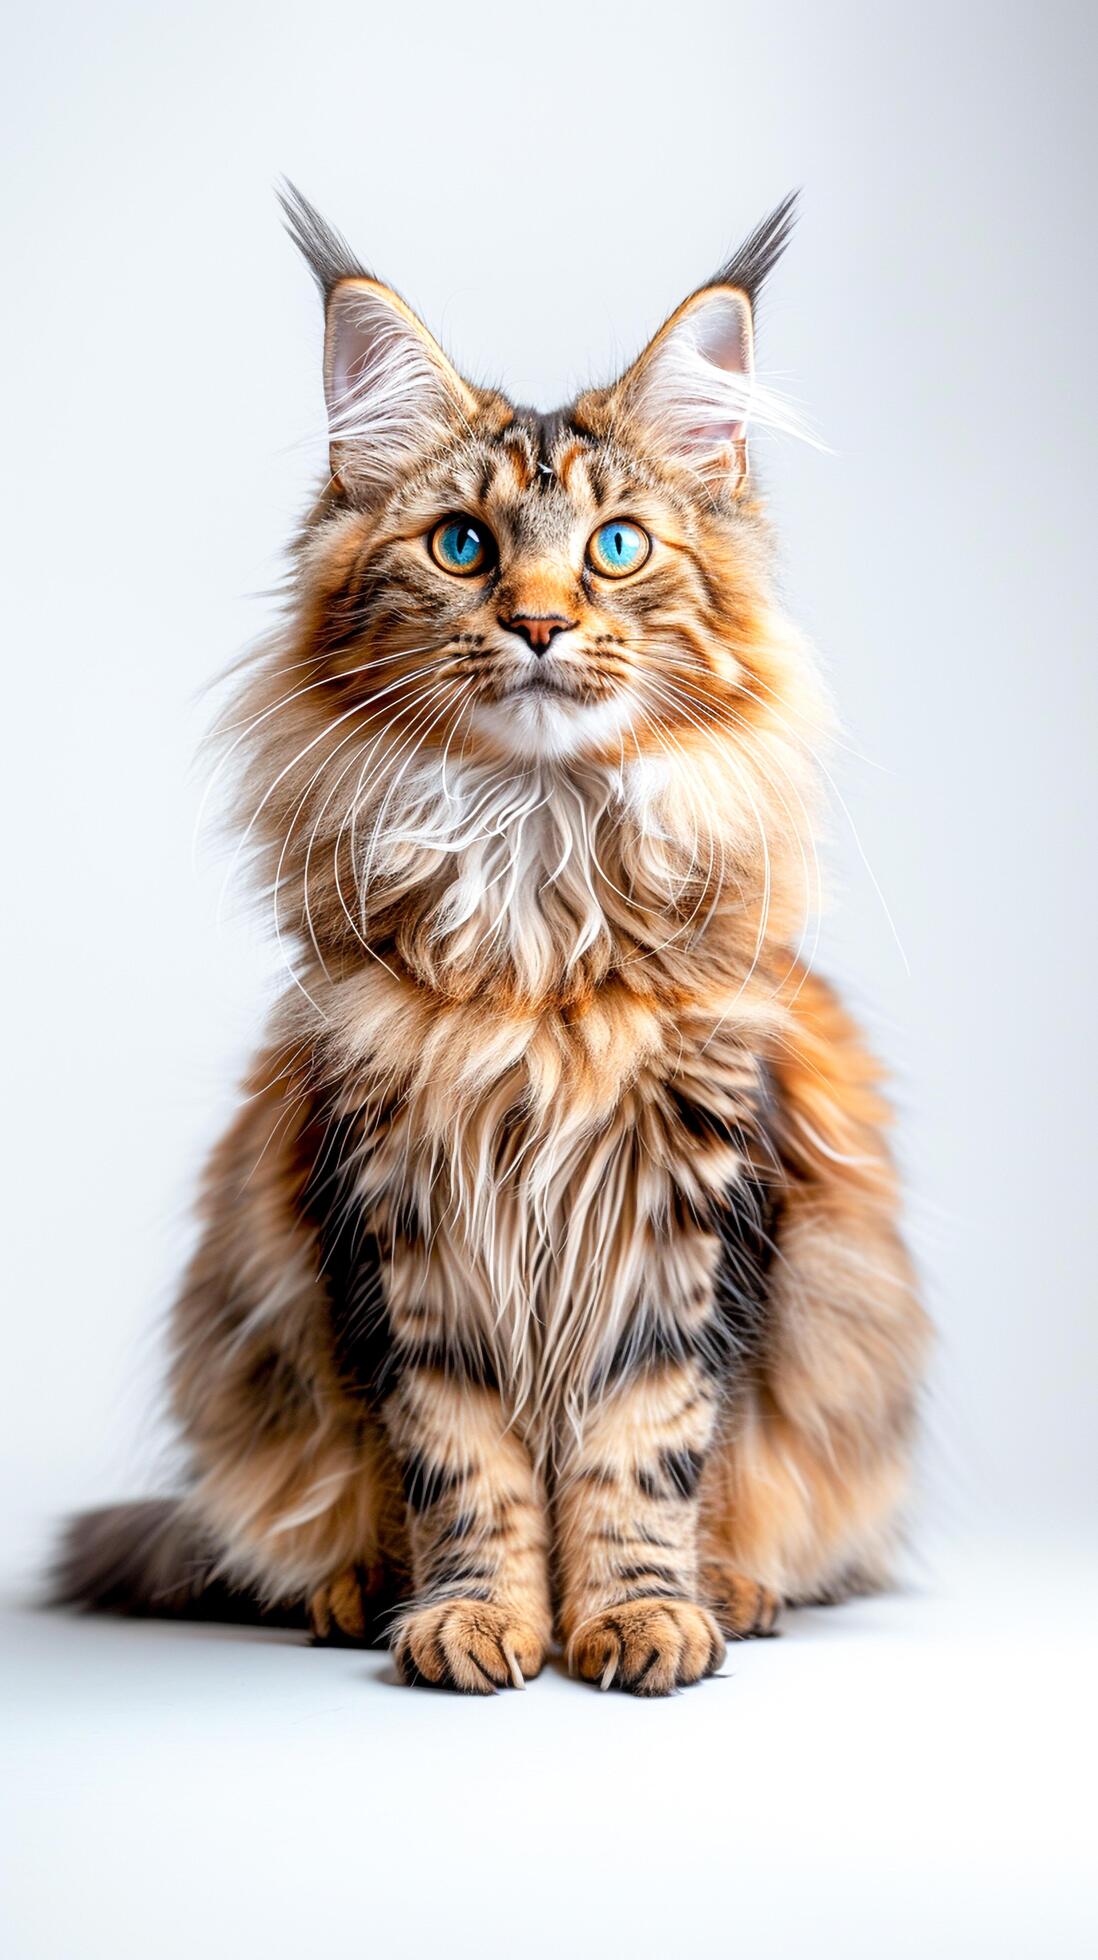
<point x="743" y="1609"/>
<point x="649" y="1646"/>
<point x="469" y="1644"/>
<point x="352" y="1608"/>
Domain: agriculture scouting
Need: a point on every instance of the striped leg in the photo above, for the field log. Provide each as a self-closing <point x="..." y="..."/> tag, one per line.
<point x="481" y="1616"/>
<point x="627" y="1518"/>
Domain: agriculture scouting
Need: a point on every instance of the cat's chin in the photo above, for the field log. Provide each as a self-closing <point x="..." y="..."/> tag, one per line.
<point x="545" y="726"/>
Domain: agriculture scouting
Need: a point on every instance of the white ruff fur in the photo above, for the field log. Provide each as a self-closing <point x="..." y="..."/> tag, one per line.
<point x="538" y="868"/>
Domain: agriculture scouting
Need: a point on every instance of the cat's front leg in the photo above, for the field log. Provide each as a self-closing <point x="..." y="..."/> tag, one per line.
<point x="481" y="1617"/>
<point x="627" y="1531"/>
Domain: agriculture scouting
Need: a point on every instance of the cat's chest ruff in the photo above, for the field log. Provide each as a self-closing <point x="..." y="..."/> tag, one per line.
<point x="544" y="1163"/>
<point x="534" y="1187"/>
<point x="520" y="1152"/>
<point x="466" y="1109"/>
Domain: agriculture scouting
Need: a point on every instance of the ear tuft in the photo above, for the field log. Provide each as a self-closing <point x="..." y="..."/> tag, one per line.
<point x="390" y="390"/>
<point x="324" y="250"/>
<point x="752" y="263"/>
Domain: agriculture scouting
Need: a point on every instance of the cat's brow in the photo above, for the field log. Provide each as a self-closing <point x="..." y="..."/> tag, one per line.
<point x="520" y="475"/>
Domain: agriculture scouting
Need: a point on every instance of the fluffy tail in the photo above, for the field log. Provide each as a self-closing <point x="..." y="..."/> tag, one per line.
<point x="149" y="1560"/>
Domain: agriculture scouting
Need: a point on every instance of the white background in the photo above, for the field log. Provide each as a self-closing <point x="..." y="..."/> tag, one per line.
<point x="901" y="1777"/>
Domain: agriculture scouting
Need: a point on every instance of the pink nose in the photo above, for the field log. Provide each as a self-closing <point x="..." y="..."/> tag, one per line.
<point x="538" y="629"/>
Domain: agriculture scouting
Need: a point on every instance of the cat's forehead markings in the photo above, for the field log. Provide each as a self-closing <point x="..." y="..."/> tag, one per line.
<point x="551" y="443"/>
<point x="522" y="463"/>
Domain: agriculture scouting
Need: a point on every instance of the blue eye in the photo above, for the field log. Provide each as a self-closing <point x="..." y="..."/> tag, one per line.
<point x="618" y="548"/>
<point x="461" y="546"/>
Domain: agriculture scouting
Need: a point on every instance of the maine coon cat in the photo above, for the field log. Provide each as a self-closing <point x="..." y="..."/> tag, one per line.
<point x="550" y="1282"/>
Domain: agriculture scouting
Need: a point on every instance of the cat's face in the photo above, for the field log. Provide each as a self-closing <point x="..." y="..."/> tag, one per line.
<point x="556" y="589"/>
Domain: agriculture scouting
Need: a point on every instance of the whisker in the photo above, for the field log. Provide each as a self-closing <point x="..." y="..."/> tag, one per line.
<point x="251" y="723"/>
<point x="356" y="708"/>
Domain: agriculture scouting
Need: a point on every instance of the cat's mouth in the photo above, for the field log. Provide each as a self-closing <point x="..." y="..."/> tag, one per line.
<point x="539" y="684"/>
<point x="542" y="715"/>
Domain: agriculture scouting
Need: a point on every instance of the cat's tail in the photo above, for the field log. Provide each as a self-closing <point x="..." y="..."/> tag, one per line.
<point x="149" y="1560"/>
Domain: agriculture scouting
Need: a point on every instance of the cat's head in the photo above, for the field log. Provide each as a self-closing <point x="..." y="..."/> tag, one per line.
<point x="533" y="654"/>
<point x="576" y="584"/>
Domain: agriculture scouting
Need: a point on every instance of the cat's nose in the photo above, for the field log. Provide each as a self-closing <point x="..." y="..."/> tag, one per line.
<point x="537" y="629"/>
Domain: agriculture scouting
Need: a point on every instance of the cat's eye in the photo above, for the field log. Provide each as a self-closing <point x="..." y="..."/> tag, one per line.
<point x="618" y="548"/>
<point x="462" y="546"/>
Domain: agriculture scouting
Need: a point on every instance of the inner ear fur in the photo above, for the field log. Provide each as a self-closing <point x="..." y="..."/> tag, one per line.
<point x="692" y="386"/>
<point x="390" y="389"/>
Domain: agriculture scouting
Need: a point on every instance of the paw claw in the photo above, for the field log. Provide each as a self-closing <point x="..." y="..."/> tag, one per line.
<point x="518" y="1678"/>
<point x="474" y="1646"/>
<point x="648" y="1646"/>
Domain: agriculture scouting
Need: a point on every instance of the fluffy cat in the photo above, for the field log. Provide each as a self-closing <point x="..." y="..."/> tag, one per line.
<point x="550" y="1282"/>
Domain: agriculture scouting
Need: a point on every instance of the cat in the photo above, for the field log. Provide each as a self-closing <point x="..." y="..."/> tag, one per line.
<point x="550" y="1284"/>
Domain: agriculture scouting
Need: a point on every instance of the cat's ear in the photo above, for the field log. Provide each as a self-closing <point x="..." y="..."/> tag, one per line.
<point x="390" y="390"/>
<point x="693" y="389"/>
